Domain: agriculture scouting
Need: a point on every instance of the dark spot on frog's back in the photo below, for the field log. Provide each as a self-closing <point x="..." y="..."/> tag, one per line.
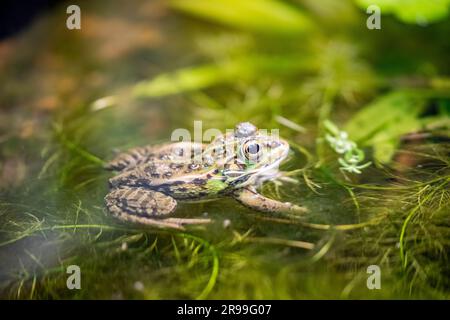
<point x="199" y="181"/>
<point x="167" y="174"/>
<point x="167" y="188"/>
<point x="175" y="166"/>
<point x="179" y="152"/>
<point x="164" y="188"/>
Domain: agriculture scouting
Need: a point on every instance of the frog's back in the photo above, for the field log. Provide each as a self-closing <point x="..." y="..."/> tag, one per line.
<point x="180" y="179"/>
<point x="140" y="155"/>
<point x="188" y="180"/>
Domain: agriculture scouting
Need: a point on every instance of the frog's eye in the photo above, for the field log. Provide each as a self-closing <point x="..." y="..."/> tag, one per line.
<point x="252" y="150"/>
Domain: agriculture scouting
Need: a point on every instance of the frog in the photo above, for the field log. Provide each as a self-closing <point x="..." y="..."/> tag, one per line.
<point x="151" y="180"/>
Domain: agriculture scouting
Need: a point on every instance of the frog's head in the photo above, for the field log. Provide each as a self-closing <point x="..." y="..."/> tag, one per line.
<point x="247" y="156"/>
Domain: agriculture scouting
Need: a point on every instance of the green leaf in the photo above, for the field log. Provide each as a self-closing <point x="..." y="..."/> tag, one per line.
<point x="382" y="123"/>
<point x="411" y="11"/>
<point x="182" y="80"/>
<point x="207" y="75"/>
<point x="267" y="16"/>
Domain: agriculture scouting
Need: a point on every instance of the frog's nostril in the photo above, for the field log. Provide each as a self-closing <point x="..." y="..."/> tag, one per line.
<point x="275" y="144"/>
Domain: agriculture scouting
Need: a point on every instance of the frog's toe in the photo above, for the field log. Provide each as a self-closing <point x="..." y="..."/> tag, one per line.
<point x="295" y="208"/>
<point x="142" y="220"/>
<point x="252" y="199"/>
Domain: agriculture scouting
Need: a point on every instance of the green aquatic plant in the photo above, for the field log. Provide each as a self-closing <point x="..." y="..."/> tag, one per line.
<point x="340" y="142"/>
<point x="411" y="239"/>
<point x="419" y="12"/>
<point x="351" y="161"/>
<point x="382" y="123"/>
<point x="267" y="16"/>
<point x="205" y="76"/>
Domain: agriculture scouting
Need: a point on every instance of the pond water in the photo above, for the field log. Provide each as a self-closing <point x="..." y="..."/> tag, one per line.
<point x="57" y="129"/>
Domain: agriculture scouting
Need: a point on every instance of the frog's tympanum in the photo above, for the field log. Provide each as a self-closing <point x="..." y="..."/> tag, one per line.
<point x="152" y="179"/>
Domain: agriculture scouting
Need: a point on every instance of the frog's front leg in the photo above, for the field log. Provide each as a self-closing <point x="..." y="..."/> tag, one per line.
<point x="251" y="198"/>
<point x="144" y="206"/>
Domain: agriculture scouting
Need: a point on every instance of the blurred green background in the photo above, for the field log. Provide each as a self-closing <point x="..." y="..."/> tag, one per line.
<point x="138" y="70"/>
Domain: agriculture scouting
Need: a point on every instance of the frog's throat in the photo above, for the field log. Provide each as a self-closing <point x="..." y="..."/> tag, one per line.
<point x="257" y="176"/>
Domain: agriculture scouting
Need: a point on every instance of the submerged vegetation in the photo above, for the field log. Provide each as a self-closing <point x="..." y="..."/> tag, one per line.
<point x="311" y="69"/>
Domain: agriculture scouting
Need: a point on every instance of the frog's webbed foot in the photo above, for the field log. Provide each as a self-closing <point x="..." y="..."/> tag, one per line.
<point x="148" y="207"/>
<point x="251" y="198"/>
